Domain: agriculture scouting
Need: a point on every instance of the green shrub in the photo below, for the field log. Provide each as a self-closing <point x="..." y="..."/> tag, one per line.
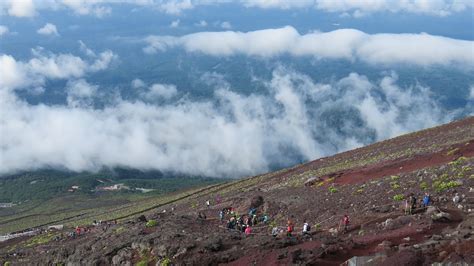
<point x="151" y="223"/>
<point x="440" y="186"/>
<point x="332" y="189"/>
<point x="394" y="185"/>
<point x="398" y="197"/>
<point x="424" y="185"/>
<point x="394" y="177"/>
<point x="165" y="262"/>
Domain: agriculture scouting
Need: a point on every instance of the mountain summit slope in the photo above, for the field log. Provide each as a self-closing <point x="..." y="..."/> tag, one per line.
<point x="369" y="184"/>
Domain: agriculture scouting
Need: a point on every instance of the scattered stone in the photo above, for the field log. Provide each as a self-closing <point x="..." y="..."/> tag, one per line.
<point x="441" y="217"/>
<point x="407" y="239"/>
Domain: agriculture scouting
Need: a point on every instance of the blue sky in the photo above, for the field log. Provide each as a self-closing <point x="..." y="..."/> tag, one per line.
<point x="224" y="88"/>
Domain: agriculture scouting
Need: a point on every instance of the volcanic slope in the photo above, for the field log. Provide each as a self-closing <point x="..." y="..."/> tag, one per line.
<point x="370" y="184"/>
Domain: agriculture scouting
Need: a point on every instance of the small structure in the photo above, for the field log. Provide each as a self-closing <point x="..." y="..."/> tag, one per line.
<point x="56" y="227"/>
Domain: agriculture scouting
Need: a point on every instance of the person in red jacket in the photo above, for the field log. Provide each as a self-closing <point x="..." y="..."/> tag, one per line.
<point x="345" y="222"/>
<point x="290" y="228"/>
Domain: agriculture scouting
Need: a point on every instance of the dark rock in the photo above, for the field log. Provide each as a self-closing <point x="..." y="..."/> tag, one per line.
<point x="256" y="202"/>
<point x="142" y="219"/>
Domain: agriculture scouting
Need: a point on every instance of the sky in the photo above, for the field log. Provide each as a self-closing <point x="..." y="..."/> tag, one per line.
<point x="224" y="88"/>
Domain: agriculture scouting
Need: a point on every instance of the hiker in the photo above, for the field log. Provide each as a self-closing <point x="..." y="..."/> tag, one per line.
<point x="252" y="211"/>
<point x="208" y="203"/>
<point x="412" y="203"/>
<point x="426" y="200"/>
<point x="231" y="223"/>
<point x="456" y="198"/>
<point x="407" y="207"/>
<point x="264" y="218"/>
<point x="289" y="228"/>
<point x="248" y="231"/>
<point x="345" y="223"/>
<point x="254" y="220"/>
<point x="78" y="230"/>
<point x="221" y="215"/>
<point x="275" y="231"/>
<point x="306" y="228"/>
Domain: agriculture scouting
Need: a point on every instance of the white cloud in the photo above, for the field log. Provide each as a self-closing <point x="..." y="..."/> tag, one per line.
<point x="83" y="47"/>
<point x="226" y="25"/>
<point x="418" y="49"/>
<point x="80" y="93"/>
<point x="428" y="7"/>
<point x="471" y="93"/>
<point x="138" y="83"/>
<point x="21" y="8"/>
<point x="201" y="23"/>
<point x="175" y="7"/>
<point x="280" y="4"/>
<point x="160" y="91"/>
<point x="3" y="30"/>
<point x="175" y="23"/>
<point x="229" y="135"/>
<point x="358" y="8"/>
<point x="43" y="66"/>
<point x="48" y="29"/>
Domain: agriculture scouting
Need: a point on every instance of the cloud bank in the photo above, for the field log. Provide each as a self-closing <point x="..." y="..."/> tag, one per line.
<point x="229" y="135"/>
<point x="417" y="49"/>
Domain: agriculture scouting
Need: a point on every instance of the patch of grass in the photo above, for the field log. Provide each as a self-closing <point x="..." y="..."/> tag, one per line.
<point x="151" y="223"/>
<point x="394" y="177"/>
<point x="441" y="186"/>
<point x="424" y="185"/>
<point x="40" y="239"/>
<point x="394" y="185"/>
<point x="398" y="197"/>
<point x="165" y="262"/>
<point x="332" y="189"/>
<point x="459" y="161"/>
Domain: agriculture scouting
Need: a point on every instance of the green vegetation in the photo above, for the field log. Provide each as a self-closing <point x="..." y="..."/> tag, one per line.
<point x="394" y="185"/>
<point x="424" y="185"/>
<point x="48" y="184"/>
<point x="398" y="197"/>
<point x="165" y="262"/>
<point x="151" y="223"/>
<point x="332" y="189"/>
<point x="394" y="177"/>
<point x="40" y="239"/>
<point x="440" y="186"/>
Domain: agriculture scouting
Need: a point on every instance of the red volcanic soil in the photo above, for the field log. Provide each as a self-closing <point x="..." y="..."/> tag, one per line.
<point x="394" y="167"/>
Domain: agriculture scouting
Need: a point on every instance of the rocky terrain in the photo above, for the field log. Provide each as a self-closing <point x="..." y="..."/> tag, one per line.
<point x="369" y="184"/>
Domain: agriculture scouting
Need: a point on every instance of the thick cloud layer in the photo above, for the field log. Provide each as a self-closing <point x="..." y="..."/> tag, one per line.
<point x="229" y="135"/>
<point x="417" y="49"/>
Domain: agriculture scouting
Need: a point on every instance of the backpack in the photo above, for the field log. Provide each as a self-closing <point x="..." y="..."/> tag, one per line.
<point x="308" y="228"/>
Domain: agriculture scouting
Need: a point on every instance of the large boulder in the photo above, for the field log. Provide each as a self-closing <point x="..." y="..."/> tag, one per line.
<point x="256" y="202"/>
<point x="441" y="217"/>
<point x="312" y="181"/>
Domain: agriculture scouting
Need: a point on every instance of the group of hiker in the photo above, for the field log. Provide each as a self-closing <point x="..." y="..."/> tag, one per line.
<point x="242" y="223"/>
<point x="411" y="203"/>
